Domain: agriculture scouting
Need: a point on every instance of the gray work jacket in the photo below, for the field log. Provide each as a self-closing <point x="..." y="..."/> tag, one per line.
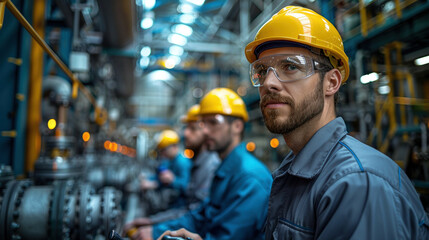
<point x="202" y="172"/>
<point x="339" y="188"/>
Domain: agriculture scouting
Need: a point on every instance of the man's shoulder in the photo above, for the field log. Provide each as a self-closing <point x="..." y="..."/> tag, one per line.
<point x="354" y="157"/>
<point x="365" y="157"/>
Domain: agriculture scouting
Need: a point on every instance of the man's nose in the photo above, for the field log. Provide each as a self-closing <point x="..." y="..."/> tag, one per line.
<point x="205" y="129"/>
<point x="271" y="80"/>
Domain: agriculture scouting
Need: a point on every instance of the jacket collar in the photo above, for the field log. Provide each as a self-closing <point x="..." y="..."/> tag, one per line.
<point x="310" y="160"/>
<point x="230" y="163"/>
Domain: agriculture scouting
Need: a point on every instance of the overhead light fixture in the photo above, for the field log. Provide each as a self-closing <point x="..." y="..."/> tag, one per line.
<point x="144" y="62"/>
<point x="146" y="23"/>
<point x="196" y="2"/>
<point x="364" y="79"/>
<point x="422" y="61"/>
<point x="149" y="4"/>
<point x="160" y="75"/>
<point x="185" y="8"/>
<point x="145" y="52"/>
<point x="176" y="50"/>
<point x="172" y="61"/>
<point x="182" y="29"/>
<point x="177" y="39"/>
<point x="187" y="18"/>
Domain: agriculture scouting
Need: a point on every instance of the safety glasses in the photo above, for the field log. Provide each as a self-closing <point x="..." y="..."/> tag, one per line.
<point x="212" y="122"/>
<point x="286" y="68"/>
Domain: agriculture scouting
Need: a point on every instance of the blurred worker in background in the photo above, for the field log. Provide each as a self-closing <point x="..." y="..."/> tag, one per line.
<point x="331" y="186"/>
<point x="204" y="164"/>
<point x="237" y="205"/>
<point x="173" y="175"/>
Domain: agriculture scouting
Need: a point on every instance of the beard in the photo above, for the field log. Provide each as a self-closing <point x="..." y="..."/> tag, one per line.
<point x="219" y="145"/>
<point x="300" y="113"/>
<point x="194" y="145"/>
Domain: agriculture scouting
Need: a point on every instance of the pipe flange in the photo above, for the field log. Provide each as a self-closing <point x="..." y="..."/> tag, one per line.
<point x="14" y="203"/>
<point x="68" y="211"/>
<point x="58" y="230"/>
<point x="84" y="216"/>
<point x="110" y="211"/>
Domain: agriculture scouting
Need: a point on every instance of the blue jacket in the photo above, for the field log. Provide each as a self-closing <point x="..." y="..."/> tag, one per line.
<point x="237" y="206"/>
<point x="181" y="167"/>
<point x="339" y="188"/>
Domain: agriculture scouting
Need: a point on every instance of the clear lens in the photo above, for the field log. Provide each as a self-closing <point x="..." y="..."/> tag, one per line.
<point x="211" y="122"/>
<point x="286" y="68"/>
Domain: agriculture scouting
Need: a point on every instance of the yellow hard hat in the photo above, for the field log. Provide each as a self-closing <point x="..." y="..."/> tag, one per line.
<point x="192" y="115"/>
<point x="166" y="138"/>
<point x="223" y="101"/>
<point x="306" y="28"/>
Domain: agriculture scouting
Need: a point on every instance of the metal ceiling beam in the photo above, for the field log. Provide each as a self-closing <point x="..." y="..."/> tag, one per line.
<point x="266" y="14"/>
<point x="202" y="47"/>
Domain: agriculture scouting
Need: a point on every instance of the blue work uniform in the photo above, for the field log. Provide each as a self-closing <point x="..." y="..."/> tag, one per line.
<point x="339" y="188"/>
<point x="237" y="206"/>
<point x="181" y="167"/>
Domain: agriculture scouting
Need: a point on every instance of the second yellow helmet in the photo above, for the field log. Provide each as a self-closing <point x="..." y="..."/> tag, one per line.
<point x="223" y="101"/>
<point x="192" y="114"/>
<point x="166" y="138"/>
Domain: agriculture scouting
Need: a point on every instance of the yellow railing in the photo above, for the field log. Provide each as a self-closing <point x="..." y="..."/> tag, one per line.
<point x="386" y="106"/>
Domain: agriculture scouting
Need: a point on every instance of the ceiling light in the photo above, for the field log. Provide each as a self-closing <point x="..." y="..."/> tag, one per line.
<point x="145" y="52"/>
<point x="160" y="75"/>
<point x="364" y="79"/>
<point x="185" y="8"/>
<point x="177" y="39"/>
<point x="187" y="18"/>
<point x="196" y="2"/>
<point x="169" y="64"/>
<point x="146" y="23"/>
<point x="422" y="61"/>
<point x="172" y="61"/>
<point x="176" y="50"/>
<point x="183" y="29"/>
<point x="175" y="59"/>
<point x="148" y="4"/>
<point x="144" y="62"/>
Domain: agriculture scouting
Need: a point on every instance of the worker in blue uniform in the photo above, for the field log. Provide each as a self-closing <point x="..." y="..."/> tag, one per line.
<point x="331" y="186"/>
<point x="204" y="164"/>
<point x="237" y="206"/>
<point x="173" y="172"/>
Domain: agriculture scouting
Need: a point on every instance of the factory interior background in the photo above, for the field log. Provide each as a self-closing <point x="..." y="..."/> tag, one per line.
<point x="86" y="85"/>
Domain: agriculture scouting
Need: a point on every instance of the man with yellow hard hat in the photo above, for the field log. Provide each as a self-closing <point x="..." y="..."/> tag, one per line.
<point x="237" y="205"/>
<point x="204" y="164"/>
<point x="173" y="173"/>
<point x="331" y="186"/>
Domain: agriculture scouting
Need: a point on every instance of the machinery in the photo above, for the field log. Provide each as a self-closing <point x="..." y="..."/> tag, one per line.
<point x="63" y="210"/>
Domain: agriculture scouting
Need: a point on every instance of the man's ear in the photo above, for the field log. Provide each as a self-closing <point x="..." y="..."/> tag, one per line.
<point x="333" y="81"/>
<point x="237" y="126"/>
